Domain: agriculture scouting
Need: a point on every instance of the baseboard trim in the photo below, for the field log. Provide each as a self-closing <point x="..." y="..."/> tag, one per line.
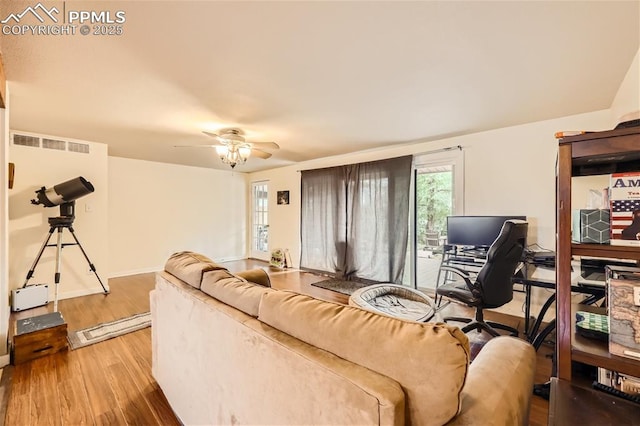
<point x="135" y="272"/>
<point x="78" y="293"/>
<point x="161" y="267"/>
<point x="229" y="259"/>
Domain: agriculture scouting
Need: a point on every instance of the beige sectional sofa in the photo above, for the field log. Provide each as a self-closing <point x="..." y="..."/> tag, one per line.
<point x="229" y="351"/>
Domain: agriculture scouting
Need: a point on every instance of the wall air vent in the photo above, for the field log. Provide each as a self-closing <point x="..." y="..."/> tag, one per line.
<point x="57" y="144"/>
<point x="82" y="148"/>
<point x="54" y="144"/>
<point x="24" y="140"/>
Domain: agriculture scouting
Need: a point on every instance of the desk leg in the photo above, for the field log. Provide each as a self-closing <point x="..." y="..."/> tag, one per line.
<point x="442" y="262"/>
<point x="543" y="335"/>
<point x="534" y="330"/>
<point x="527" y="310"/>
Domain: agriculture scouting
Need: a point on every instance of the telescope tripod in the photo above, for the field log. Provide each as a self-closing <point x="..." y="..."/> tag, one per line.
<point x="59" y="224"/>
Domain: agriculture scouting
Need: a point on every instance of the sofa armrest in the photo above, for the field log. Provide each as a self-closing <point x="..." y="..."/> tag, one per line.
<point x="499" y="384"/>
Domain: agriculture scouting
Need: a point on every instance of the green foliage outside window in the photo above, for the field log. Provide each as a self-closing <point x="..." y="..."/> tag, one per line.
<point x="434" y="203"/>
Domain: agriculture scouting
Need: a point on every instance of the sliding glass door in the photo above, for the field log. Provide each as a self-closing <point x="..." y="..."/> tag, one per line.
<point x="438" y="193"/>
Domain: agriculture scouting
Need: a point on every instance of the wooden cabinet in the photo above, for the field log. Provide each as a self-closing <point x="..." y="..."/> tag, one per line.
<point x="39" y="336"/>
<point x="597" y="153"/>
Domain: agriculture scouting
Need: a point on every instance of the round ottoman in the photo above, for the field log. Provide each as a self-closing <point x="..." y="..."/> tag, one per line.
<point x="394" y="300"/>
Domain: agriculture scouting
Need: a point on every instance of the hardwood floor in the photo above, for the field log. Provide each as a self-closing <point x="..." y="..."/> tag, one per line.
<point x="105" y="383"/>
<point x="111" y="383"/>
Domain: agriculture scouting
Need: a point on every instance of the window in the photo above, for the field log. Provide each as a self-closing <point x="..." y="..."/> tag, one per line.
<point x="259" y="220"/>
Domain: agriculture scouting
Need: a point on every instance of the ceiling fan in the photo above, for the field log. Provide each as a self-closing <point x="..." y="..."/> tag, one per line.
<point x="233" y="149"/>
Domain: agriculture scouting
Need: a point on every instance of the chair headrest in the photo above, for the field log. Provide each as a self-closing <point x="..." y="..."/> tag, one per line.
<point x="512" y="230"/>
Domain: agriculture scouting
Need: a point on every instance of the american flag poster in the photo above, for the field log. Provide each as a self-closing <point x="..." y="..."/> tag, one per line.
<point x="624" y="196"/>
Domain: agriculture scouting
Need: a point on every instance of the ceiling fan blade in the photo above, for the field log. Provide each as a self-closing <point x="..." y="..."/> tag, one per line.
<point x="213" y="135"/>
<point x="265" y="145"/>
<point x="259" y="153"/>
<point x="197" y="146"/>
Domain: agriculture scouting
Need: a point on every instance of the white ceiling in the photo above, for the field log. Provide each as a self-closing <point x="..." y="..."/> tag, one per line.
<point x="319" y="78"/>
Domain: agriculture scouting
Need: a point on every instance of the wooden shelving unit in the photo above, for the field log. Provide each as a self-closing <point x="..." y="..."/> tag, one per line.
<point x="597" y="153"/>
<point x="594" y="352"/>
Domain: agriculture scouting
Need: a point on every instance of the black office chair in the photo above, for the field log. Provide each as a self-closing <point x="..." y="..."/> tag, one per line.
<point x="492" y="286"/>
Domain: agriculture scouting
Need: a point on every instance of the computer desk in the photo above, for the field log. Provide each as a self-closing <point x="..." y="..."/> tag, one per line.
<point x="472" y="259"/>
<point x="532" y="332"/>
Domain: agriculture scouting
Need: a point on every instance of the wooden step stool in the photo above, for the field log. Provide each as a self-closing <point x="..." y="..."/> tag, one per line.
<point x="39" y="336"/>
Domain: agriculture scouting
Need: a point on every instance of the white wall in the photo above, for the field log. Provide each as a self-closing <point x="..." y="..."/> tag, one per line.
<point x="507" y="171"/>
<point x="156" y="209"/>
<point x="627" y="99"/>
<point x="28" y="224"/>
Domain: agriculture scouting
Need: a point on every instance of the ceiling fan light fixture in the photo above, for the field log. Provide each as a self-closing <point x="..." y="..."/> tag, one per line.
<point x="233" y="149"/>
<point x="233" y="153"/>
<point x="222" y="151"/>
<point x="245" y="152"/>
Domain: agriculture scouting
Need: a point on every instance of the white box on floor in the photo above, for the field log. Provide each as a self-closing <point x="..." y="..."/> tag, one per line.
<point x="29" y="297"/>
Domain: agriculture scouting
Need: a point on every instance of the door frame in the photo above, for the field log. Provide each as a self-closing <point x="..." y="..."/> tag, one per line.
<point x="253" y="252"/>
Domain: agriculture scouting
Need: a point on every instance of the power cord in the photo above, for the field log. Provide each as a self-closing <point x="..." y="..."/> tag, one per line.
<point x="616" y="392"/>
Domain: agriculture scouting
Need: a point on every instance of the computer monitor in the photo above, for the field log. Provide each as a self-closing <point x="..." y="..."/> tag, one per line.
<point x="476" y="231"/>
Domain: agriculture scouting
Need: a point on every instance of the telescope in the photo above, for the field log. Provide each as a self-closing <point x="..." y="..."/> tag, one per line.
<point x="64" y="192"/>
<point x="64" y="195"/>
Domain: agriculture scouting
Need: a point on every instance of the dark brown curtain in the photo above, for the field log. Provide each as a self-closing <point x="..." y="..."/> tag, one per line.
<point x="354" y="219"/>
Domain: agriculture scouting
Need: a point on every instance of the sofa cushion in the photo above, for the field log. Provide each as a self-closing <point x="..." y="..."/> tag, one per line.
<point x="189" y="267"/>
<point x="256" y="276"/>
<point x="234" y="291"/>
<point x="430" y="360"/>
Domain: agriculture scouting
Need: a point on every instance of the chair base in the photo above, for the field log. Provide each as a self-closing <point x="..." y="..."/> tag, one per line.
<point x="488" y="326"/>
